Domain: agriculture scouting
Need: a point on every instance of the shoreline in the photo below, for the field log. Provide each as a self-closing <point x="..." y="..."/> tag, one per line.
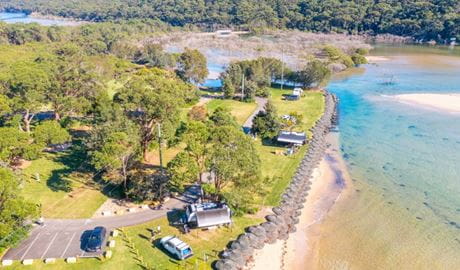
<point x="375" y="59"/>
<point x="68" y="21"/>
<point x="330" y="180"/>
<point x="441" y="102"/>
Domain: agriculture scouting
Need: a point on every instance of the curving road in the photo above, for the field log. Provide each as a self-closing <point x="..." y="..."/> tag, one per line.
<point x="62" y="238"/>
<point x="260" y="107"/>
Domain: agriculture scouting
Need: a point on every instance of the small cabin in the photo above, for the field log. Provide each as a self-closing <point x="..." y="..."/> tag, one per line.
<point x="291" y="137"/>
<point x="204" y="215"/>
<point x="297" y="92"/>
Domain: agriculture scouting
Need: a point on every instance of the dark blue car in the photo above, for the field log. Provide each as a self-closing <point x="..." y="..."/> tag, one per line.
<point x="96" y="239"/>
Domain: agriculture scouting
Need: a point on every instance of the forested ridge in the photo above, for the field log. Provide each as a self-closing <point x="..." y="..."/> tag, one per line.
<point x="420" y="19"/>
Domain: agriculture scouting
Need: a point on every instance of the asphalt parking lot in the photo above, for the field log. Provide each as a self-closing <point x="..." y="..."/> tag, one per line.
<point x="48" y="243"/>
<point x="63" y="238"/>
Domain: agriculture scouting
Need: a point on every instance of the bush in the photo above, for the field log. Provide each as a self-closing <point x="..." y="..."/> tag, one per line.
<point x="198" y="113"/>
<point x="362" y="51"/>
<point x="358" y="59"/>
<point x="336" y="55"/>
<point x="51" y="132"/>
<point x="263" y="92"/>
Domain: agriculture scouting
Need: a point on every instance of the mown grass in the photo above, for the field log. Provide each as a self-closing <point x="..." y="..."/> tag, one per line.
<point x="62" y="191"/>
<point x="276" y="165"/>
<point x="240" y="110"/>
<point x="136" y="240"/>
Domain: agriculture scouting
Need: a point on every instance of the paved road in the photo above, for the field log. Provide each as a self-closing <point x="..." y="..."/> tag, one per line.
<point x="260" y="107"/>
<point x="62" y="238"/>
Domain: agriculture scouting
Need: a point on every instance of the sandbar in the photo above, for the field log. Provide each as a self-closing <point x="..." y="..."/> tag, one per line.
<point x="444" y="102"/>
<point x="375" y="59"/>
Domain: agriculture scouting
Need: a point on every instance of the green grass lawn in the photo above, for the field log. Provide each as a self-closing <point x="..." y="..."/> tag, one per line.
<point x="240" y="110"/>
<point x="60" y="188"/>
<point x="277" y="165"/>
<point x="134" y="249"/>
<point x="137" y="239"/>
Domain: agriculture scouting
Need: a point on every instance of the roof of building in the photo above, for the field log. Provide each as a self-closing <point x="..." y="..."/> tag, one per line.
<point x="213" y="217"/>
<point x="292" y="137"/>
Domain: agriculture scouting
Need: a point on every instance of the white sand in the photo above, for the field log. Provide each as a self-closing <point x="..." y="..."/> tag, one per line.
<point x="375" y="59"/>
<point x="444" y="102"/>
<point x="299" y="252"/>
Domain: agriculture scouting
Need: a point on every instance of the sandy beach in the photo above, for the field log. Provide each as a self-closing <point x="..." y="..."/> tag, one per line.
<point x="298" y="252"/>
<point x="375" y="59"/>
<point x="444" y="102"/>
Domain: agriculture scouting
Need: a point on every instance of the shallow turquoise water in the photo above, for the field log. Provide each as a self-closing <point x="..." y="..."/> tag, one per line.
<point x="411" y="155"/>
<point x="18" y="17"/>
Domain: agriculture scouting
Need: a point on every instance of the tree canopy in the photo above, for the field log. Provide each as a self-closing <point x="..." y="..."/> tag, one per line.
<point x="14" y="210"/>
<point x="153" y="97"/>
<point x="422" y="19"/>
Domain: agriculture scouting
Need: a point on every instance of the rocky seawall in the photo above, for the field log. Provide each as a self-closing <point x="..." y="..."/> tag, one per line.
<point x="285" y="216"/>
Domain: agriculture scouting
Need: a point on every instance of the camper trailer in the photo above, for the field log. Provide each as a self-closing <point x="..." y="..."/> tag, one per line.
<point x="205" y="215"/>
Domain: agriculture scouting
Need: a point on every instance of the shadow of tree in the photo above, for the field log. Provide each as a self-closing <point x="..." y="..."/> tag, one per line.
<point x="272" y="142"/>
<point x="74" y="161"/>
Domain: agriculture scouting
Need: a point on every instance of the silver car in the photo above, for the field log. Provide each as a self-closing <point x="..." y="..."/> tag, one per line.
<point x="176" y="247"/>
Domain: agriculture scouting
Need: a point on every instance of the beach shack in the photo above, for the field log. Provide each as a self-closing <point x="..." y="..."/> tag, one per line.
<point x="205" y="215"/>
<point x="291" y="137"/>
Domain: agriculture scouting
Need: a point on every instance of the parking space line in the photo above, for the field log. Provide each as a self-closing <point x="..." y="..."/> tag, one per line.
<point x="31" y="244"/>
<point x="68" y="244"/>
<point x="49" y="245"/>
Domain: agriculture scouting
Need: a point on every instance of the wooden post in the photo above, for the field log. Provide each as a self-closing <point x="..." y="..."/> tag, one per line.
<point x="159" y="146"/>
<point x="282" y="68"/>
<point x="242" y="87"/>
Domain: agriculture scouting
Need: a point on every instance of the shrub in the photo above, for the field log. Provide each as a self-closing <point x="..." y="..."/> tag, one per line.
<point x="362" y="51"/>
<point x="358" y="59"/>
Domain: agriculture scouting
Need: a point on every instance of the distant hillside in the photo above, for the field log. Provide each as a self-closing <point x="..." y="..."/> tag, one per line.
<point x="421" y="19"/>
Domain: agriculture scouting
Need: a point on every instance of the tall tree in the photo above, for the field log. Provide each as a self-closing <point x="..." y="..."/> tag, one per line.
<point x="197" y="139"/>
<point x="153" y="55"/>
<point x="266" y="122"/>
<point x="116" y="156"/>
<point x="233" y="158"/>
<point x="75" y="83"/>
<point x="314" y="74"/>
<point x="153" y="97"/>
<point x="193" y="66"/>
<point x="28" y="83"/>
<point x="16" y="144"/>
<point x="50" y="132"/>
<point x="14" y="210"/>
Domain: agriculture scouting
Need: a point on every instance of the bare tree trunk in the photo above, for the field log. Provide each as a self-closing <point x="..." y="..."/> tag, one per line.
<point x="147" y="138"/>
<point x="27" y="119"/>
<point x="125" y="162"/>
<point x="57" y="116"/>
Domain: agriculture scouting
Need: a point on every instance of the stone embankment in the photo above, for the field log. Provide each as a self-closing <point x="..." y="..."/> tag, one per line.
<point x="285" y="216"/>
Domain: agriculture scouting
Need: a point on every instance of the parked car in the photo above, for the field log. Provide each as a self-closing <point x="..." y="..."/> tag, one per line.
<point x="96" y="239"/>
<point x="176" y="247"/>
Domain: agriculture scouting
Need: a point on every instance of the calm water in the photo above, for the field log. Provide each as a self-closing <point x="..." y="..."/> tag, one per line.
<point x="17" y="17"/>
<point x="404" y="210"/>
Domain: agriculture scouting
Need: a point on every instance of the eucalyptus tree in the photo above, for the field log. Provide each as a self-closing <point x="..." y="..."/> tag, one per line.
<point x="233" y="158"/>
<point x="75" y="83"/>
<point x="151" y="98"/>
<point x="116" y="156"/>
<point x="193" y="66"/>
<point x="50" y="132"/>
<point x="28" y="82"/>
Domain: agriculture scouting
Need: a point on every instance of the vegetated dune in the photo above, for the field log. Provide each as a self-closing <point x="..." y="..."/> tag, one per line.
<point x="293" y="47"/>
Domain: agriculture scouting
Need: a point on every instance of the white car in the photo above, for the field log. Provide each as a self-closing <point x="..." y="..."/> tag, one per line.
<point x="176" y="247"/>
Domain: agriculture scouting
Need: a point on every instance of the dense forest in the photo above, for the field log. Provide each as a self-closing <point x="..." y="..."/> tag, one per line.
<point x="420" y="19"/>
